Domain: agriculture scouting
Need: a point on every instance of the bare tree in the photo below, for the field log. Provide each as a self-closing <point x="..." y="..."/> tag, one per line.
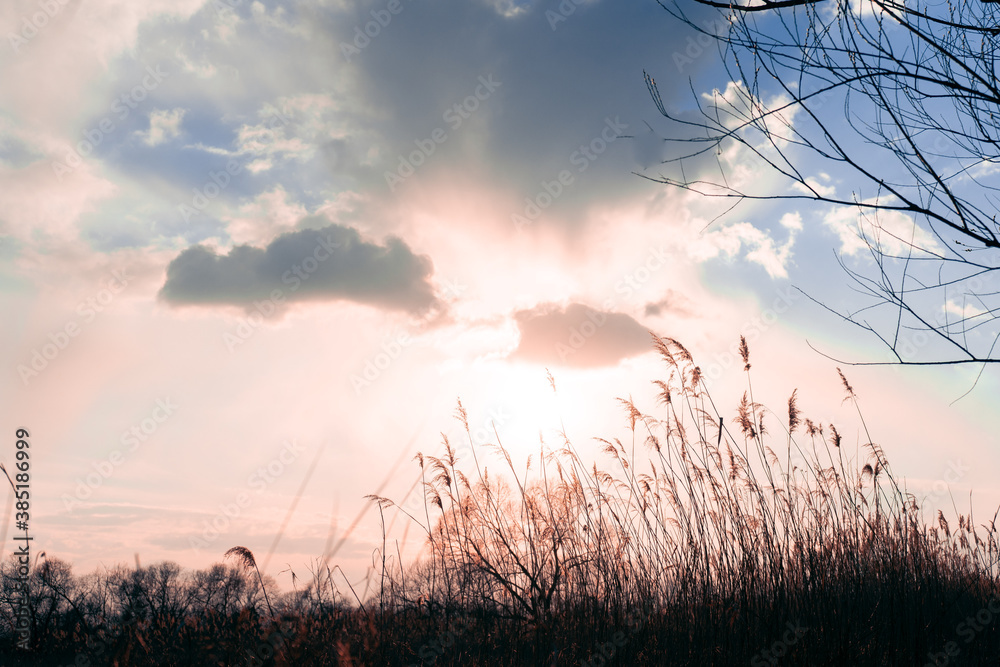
<point x="887" y="108"/>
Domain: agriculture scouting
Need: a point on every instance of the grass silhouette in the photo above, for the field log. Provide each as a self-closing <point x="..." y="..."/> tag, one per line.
<point x="761" y="542"/>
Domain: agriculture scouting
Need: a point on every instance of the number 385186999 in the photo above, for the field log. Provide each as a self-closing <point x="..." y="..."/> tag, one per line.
<point x="22" y="476"/>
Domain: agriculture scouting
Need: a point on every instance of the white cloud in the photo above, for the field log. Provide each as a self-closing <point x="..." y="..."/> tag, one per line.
<point x="815" y="187"/>
<point x="36" y="204"/>
<point x="792" y="221"/>
<point x="736" y="104"/>
<point x="963" y="311"/>
<point x="49" y="79"/>
<point x="163" y="126"/>
<point x="277" y="20"/>
<point x="267" y="216"/>
<point x="737" y="107"/>
<point x="203" y="68"/>
<point x="512" y="8"/>
<point x="892" y="231"/>
<point x="761" y="248"/>
<point x="292" y="128"/>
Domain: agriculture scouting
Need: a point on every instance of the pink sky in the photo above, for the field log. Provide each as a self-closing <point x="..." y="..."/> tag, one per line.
<point x="180" y="404"/>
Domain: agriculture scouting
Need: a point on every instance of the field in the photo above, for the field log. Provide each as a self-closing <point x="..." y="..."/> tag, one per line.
<point x="759" y="541"/>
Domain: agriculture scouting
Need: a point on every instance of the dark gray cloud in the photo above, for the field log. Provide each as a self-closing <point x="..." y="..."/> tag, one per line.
<point x="324" y="264"/>
<point x="578" y="335"/>
<point x="562" y="85"/>
<point x="559" y="87"/>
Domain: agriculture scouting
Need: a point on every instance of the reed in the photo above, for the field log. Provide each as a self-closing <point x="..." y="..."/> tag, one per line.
<point x="705" y="527"/>
<point x="700" y="537"/>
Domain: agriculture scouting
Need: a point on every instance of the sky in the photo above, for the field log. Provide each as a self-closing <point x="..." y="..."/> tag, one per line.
<point x="253" y="253"/>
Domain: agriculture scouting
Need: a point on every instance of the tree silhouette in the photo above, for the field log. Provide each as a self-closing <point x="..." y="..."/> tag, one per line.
<point x="886" y="112"/>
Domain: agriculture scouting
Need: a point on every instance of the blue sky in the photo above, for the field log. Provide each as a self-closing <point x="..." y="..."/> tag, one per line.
<point x="309" y="245"/>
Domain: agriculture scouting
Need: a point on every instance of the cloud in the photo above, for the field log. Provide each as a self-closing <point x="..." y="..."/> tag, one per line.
<point x="577" y="335"/>
<point x="325" y="264"/>
<point x="294" y="128"/>
<point x="964" y="311"/>
<point x="760" y="247"/>
<point x="741" y="103"/>
<point x="265" y="217"/>
<point x="892" y="231"/>
<point x="295" y="122"/>
<point x="529" y="135"/>
<point x="813" y="187"/>
<point x="510" y="8"/>
<point x="163" y="126"/>
<point x="273" y="138"/>
<point x="792" y="221"/>
<point x="672" y="302"/>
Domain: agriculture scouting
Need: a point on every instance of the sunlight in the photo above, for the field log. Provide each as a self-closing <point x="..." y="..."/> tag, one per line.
<point x="500" y="332"/>
<point x="518" y="400"/>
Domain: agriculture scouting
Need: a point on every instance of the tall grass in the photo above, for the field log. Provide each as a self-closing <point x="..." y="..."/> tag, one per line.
<point x="710" y="528"/>
<point x="702" y="537"/>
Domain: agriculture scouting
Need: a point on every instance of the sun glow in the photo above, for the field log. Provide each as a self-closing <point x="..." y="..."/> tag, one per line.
<point x="520" y="405"/>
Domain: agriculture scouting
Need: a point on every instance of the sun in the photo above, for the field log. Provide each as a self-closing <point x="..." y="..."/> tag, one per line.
<point x="516" y="403"/>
